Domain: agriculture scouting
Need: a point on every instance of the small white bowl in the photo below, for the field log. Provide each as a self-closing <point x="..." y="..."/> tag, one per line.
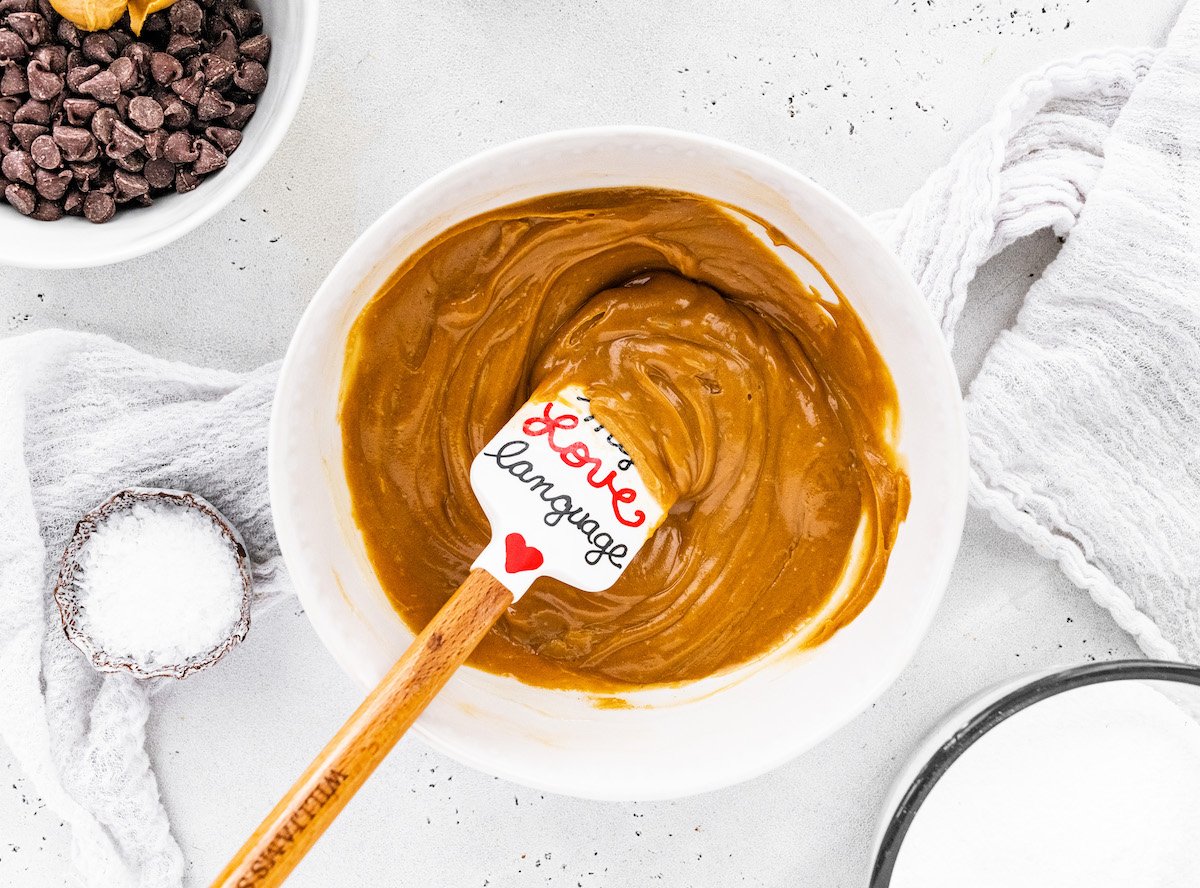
<point x="73" y="242"/>
<point x="666" y="742"/>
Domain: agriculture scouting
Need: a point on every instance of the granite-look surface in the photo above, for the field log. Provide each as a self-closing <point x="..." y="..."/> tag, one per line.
<point x="866" y="98"/>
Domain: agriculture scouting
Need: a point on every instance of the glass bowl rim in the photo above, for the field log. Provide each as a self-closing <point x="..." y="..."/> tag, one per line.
<point x="1036" y="689"/>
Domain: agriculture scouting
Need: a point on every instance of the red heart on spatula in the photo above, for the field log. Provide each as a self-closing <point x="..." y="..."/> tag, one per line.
<point x="518" y="556"/>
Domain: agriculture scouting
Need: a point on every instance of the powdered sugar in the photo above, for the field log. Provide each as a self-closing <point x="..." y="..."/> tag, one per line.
<point x="1098" y="787"/>
<point x="159" y="583"/>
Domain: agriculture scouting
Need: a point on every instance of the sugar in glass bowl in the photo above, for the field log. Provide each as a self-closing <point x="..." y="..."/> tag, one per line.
<point x="73" y="242"/>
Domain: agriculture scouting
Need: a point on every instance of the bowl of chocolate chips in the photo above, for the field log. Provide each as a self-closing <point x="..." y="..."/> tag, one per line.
<point x="124" y="124"/>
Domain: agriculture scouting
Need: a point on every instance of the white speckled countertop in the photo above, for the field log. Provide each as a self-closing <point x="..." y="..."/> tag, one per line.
<point x="864" y="97"/>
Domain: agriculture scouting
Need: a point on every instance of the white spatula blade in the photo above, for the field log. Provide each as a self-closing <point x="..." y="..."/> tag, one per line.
<point x="563" y="497"/>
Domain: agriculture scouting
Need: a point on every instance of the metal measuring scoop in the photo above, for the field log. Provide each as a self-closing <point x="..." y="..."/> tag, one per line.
<point x="67" y="597"/>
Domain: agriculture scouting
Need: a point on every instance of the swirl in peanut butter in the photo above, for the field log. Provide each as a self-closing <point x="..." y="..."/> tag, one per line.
<point x="760" y="409"/>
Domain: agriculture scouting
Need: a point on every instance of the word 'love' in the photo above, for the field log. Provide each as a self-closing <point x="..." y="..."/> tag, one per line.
<point x="576" y="455"/>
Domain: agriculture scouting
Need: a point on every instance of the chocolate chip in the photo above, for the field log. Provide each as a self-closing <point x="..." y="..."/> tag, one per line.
<point x="67" y="33"/>
<point x="218" y="72"/>
<point x="226" y="46"/>
<point x="99" y="47"/>
<point x="224" y="138"/>
<point x="121" y="106"/>
<point x="140" y="53"/>
<point x="124" y="141"/>
<point x="125" y="70"/>
<point x="45" y="153"/>
<point x="22" y="197"/>
<point x="13" y="81"/>
<point x="31" y="27"/>
<point x="238" y="117"/>
<point x="73" y="203"/>
<point x="8" y="109"/>
<point x="129" y="185"/>
<point x="145" y="113"/>
<point x="122" y="38"/>
<point x="33" y="111"/>
<point x="78" y="74"/>
<point x="210" y="160"/>
<point x="44" y="84"/>
<point x="75" y="142"/>
<point x="85" y="173"/>
<point x="164" y="68"/>
<point x="257" y="48"/>
<point x="176" y="115"/>
<point x="12" y="47"/>
<point x="182" y="46"/>
<point x="155" y="142"/>
<point x="217" y="22"/>
<point x="245" y="21"/>
<point x="102" y="124"/>
<point x="72" y="141"/>
<point x="186" y="16"/>
<point x="190" y="89"/>
<point x="185" y="181"/>
<point x="157" y="25"/>
<point x="131" y="163"/>
<point x="160" y="173"/>
<point x="27" y="132"/>
<point x="251" y="78"/>
<point x="7" y="6"/>
<point x="98" y="207"/>
<point x="47" y="211"/>
<point x="52" y="185"/>
<point x="8" y="142"/>
<point x="17" y="166"/>
<point x="79" y="110"/>
<point x="179" y="149"/>
<point x="103" y="87"/>
<point x="212" y="106"/>
<point x="53" y="57"/>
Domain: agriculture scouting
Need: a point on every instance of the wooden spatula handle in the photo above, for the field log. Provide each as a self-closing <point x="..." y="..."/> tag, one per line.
<point x="287" y="833"/>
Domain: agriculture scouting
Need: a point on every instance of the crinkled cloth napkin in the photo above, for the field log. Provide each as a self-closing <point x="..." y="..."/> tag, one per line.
<point x="1084" y="419"/>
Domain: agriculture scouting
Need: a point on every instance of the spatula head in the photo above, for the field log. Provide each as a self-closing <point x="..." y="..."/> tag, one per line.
<point x="564" y="498"/>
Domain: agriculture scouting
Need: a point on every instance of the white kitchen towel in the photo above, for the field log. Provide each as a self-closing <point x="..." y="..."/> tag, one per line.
<point x="1084" y="419"/>
<point x="80" y="418"/>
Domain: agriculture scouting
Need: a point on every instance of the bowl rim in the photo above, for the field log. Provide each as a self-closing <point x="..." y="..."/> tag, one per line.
<point x="233" y="183"/>
<point x="738" y="768"/>
<point x="1040" y="686"/>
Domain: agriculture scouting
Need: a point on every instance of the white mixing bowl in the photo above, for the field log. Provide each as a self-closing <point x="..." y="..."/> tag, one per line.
<point x="73" y="242"/>
<point x="666" y="742"/>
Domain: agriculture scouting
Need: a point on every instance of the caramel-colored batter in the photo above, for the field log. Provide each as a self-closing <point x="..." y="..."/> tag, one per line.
<point x="763" y="412"/>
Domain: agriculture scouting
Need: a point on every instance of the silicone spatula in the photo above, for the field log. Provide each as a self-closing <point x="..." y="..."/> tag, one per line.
<point x="564" y="500"/>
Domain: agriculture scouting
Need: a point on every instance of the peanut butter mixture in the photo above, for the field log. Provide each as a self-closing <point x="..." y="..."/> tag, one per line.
<point x="763" y="412"/>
